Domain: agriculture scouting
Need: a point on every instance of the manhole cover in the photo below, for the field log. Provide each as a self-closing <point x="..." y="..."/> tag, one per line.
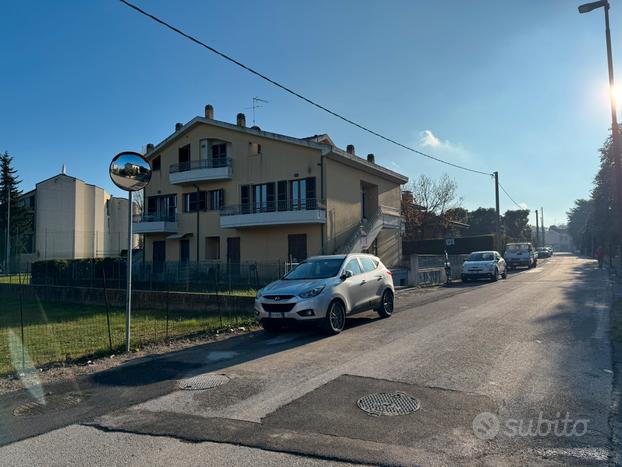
<point x="53" y="403"/>
<point x="203" y="382"/>
<point x="383" y="403"/>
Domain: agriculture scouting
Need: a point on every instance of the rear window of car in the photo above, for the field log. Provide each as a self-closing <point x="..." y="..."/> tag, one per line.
<point x="517" y="247"/>
<point x="368" y="264"/>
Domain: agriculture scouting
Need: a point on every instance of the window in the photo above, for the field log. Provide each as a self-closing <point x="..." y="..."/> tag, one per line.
<point x="302" y="194"/>
<point x="216" y="199"/>
<point x="219" y="155"/>
<point x="162" y="207"/>
<point x="212" y="247"/>
<point x="245" y="201"/>
<point x="190" y="201"/>
<point x="368" y="264"/>
<point x="155" y="163"/>
<point x="354" y="267"/>
<point x="254" y="149"/>
<point x="263" y="197"/>
<point x="296" y="247"/>
<point x="282" y="195"/>
<point x="184" y="157"/>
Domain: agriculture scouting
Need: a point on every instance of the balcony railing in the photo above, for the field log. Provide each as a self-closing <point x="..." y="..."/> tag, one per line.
<point x="217" y="163"/>
<point x="307" y="211"/>
<point x="309" y="204"/>
<point x="154" y="218"/>
<point x="155" y="223"/>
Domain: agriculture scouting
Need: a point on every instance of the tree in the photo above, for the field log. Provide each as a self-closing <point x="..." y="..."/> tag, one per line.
<point x="20" y="216"/>
<point x="482" y="221"/>
<point x="517" y="225"/>
<point x="431" y="199"/>
<point x="580" y="226"/>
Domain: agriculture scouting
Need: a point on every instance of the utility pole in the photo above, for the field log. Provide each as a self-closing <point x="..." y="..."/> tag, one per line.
<point x="542" y="222"/>
<point x="8" y="228"/>
<point x="198" y="209"/>
<point x="537" y="230"/>
<point x="498" y="236"/>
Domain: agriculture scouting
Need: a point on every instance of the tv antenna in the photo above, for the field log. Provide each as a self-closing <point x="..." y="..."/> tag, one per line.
<point x="256" y="105"/>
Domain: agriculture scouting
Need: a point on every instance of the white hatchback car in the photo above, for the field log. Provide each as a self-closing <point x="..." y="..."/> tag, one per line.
<point x="324" y="289"/>
<point x="484" y="265"/>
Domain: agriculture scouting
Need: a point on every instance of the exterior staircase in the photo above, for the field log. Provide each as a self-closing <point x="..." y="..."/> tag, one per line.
<point x="365" y="234"/>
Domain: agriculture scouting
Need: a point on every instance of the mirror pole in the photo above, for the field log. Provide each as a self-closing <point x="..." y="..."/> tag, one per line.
<point x="128" y="299"/>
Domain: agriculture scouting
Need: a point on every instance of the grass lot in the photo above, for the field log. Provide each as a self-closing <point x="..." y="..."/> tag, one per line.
<point x="56" y="332"/>
<point x="15" y="279"/>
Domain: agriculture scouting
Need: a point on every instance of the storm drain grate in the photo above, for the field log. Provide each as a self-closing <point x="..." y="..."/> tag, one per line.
<point x="383" y="403"/>
<point x="199" y="382"/>
<point x="52" y="403"/>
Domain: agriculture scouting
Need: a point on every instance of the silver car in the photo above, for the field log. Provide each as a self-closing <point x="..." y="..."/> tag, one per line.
<point x="324" y="289"/>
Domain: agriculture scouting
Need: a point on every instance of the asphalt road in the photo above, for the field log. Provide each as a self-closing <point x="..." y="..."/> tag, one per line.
<point x="516" y="372"/>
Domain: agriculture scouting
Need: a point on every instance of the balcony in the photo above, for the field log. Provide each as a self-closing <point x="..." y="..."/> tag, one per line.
<point x="147" y="224"/>
<point x="200" y="171"/>
<point x="309" y="211"/>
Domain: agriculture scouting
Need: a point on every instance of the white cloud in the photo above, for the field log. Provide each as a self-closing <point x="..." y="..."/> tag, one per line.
<point x="443" y="148"/>
<point x="427" y="138"/>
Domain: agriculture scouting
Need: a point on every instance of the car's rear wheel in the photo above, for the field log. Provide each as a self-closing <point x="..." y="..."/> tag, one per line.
<point x="505" y="274"/>
<point x="386" y="304"/>
<point x="335" y="319"/>
<point x="271" y="325"/>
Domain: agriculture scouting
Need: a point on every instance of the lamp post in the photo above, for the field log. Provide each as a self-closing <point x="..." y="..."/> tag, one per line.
<point x="615" y="129"/>
<point x="131" y="172"/>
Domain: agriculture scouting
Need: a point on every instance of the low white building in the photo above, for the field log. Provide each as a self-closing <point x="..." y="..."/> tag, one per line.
<point x="73" y="219"/>
<point x="559" y="239"/>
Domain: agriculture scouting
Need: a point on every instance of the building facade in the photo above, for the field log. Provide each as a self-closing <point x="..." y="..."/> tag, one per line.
<point x="223" y="191"/>
<point x="73" y="219"/>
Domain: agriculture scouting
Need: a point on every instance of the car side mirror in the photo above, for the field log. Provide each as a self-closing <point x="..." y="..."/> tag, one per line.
<point x="346" y="274"/>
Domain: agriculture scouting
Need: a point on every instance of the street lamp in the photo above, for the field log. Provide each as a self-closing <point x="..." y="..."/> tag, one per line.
<point x="615" y="129"/>
<point x="131" y="172"/>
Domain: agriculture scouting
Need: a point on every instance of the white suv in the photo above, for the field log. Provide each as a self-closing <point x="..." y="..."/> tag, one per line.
<point x="324" y="289"/>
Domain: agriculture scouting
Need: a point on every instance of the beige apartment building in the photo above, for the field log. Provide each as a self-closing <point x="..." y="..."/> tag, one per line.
<point x="223" y="191"/>
<point x="73" y="219"/>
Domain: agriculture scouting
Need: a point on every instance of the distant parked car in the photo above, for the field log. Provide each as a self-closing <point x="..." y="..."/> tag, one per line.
<point x="484" y="265"/>
<point x="550" y="248"/>
<point x="520" y="255"/>
<point x="544" y="252"/>
<point x="324" y="289"/>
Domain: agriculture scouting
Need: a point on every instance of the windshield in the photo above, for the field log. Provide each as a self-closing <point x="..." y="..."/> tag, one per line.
<point x="316" y="269"/>
<point x="481" y="257"/>
<point x="517" y="247"/>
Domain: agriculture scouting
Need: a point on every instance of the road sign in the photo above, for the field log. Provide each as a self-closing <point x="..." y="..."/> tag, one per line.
<point x="449" y="242"/>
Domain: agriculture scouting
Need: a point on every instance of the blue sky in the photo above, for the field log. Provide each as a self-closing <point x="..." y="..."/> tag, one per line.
<point x="514" y="86"/>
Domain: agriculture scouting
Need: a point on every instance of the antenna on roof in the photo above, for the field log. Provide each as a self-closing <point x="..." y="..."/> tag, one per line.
<point x="256" y="106"/>
<point x="63" y="169"/>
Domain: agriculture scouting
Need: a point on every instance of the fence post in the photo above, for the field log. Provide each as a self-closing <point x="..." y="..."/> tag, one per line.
<point x="414" y="270"/>
<point x="21" y="321"/>
<point x="167" y="305"/>
<point x="107" y="310"/>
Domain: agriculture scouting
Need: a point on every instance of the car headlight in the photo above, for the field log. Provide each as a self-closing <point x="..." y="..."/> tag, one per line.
<point x="312" y="293"/>
<point x="259" y="293"/>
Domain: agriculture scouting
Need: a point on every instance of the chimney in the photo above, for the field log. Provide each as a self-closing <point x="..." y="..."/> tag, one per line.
<point x="371" y="158"/>
<point x="178" y="126"/>
<point x="209" y="112"/>
<point x="350" y="149"/>
<point x="241" y="120"/>
<point x="149" y="147"/>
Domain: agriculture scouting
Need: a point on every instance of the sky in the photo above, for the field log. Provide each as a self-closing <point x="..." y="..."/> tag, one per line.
<point x="518" y="87"/>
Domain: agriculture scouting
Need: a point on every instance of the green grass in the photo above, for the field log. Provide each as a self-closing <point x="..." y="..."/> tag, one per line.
<point x="15" y="279"/>
<point x="56" y="332"/>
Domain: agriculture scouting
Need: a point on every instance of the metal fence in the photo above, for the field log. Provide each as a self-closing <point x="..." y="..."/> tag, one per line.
<point x="36" y="330"/>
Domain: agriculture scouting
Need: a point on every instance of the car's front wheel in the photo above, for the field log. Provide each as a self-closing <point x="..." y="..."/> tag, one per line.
<point x="335" y="319"/>
<point x="386" y="304"/>
<point x="495" y="276"/>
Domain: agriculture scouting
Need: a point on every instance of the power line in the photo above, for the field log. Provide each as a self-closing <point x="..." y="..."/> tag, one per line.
<point x="294" y="93"/>
<point x="511" y="199"/>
